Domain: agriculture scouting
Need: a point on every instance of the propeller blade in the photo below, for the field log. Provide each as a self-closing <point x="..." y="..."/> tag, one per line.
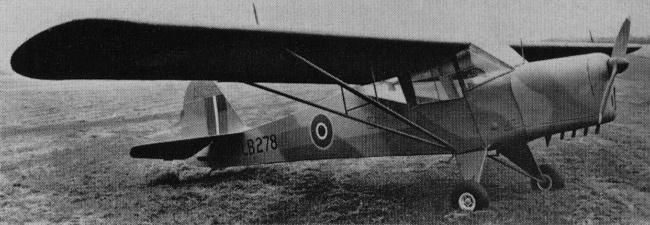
<point x="608" y="90"/>
<point x="616" y="64"/>
<point x="620" y="46"/>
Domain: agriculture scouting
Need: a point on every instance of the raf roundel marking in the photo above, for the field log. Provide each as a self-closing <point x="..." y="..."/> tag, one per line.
<point x="321" y="131"/>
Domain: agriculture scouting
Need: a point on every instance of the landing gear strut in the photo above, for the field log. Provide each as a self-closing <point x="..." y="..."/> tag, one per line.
<point x="542" y="177"/>
<point x="469" y="195"/>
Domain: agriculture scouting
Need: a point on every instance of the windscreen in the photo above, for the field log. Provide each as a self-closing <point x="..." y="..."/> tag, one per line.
<point x="476" y="67"/>
<point x="466" y="70"/>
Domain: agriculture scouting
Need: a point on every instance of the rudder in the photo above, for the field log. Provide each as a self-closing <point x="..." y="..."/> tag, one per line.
<point x="206" y="112"/>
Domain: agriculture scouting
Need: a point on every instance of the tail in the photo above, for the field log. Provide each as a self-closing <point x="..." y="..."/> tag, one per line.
<point x="206" y="112"/>
<point x="207" y="119"/>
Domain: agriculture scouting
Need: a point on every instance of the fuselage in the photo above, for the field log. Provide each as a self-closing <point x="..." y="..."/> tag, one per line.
<point x="519" y="104"/>
<point x="533" y="100"/>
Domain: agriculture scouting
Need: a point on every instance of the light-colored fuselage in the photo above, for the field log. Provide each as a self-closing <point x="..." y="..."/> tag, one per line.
<point x="534" y="100"/>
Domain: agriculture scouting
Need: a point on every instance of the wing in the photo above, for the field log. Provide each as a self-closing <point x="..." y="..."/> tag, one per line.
<point x="120" y="50"/>
<point x="550" y="50"/>
<point x="123" y="50"/>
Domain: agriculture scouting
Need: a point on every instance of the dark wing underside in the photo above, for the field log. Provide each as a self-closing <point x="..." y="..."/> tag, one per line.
<point x="551" y="50"/>
<point x="120" y="50"/>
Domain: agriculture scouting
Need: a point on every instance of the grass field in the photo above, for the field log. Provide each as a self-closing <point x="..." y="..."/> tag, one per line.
<point x="64" y="158"/>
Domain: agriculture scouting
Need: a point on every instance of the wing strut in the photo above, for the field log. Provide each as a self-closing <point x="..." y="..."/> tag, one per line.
<point x="450" y="150"/>
<point x="373" y="102"/>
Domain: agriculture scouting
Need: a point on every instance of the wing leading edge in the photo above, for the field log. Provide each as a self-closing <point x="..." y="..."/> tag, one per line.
<point x="550" y="50"/>
<point x="123" y="50"/>
<point x="120" y="50"/>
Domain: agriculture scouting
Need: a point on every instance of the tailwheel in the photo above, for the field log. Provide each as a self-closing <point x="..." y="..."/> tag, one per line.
<point x="553" y="180"/>
<point x="469" y="196"/>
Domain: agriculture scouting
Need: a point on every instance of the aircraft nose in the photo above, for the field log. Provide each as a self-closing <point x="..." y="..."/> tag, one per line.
<point x="558" y="93"/>
<point x="597" y="68"/>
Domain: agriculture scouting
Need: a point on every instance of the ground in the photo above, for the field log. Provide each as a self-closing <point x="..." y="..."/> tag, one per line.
<point x="64" y="158"/>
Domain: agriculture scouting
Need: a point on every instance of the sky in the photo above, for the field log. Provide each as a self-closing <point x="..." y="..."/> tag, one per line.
<point x="505" y="21"/>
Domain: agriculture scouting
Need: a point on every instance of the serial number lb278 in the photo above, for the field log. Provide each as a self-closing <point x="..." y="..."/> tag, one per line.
<point x="261" y="144"/>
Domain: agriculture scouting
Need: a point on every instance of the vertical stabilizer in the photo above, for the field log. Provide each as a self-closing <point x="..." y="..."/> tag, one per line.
<point x="206" y="112"/>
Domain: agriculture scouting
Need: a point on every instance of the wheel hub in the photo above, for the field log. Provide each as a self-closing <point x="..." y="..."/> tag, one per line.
<point x="546" y="184"/>
<point x="467" y="202"/>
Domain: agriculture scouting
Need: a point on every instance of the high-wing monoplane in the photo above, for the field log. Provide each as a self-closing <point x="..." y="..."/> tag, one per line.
<point x="399" y="96"/>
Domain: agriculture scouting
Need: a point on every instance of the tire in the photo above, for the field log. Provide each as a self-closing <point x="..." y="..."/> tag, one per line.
<point x="552" y="174"/>
<point x="469" y="196"/>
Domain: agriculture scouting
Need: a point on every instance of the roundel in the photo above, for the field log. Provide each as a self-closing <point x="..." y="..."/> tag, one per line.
<point x="321" y="131"/>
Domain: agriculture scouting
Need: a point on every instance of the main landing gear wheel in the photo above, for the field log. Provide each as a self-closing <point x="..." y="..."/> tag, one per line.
<point x="469" y="196"/>
<point x="553" y="180"/>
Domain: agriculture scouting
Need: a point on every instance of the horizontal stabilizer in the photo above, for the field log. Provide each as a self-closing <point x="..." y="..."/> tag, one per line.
<point x="181" y="149"/>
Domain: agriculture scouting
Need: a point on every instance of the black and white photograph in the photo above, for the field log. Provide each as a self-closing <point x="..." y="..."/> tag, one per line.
<point x="325" y="112"/>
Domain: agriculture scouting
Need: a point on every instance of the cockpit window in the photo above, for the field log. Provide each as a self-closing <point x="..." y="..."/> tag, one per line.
<point x="436" y="85"/>
<point x="468" y="69"/>
<point x="476" y="66"/>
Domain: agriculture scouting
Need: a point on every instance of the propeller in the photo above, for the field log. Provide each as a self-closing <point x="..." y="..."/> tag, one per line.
<point x="616" y="64"/>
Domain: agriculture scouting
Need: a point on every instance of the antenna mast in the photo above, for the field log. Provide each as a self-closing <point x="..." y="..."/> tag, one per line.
<point x="521" y="46"/>
<point x="257" y="21"/>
